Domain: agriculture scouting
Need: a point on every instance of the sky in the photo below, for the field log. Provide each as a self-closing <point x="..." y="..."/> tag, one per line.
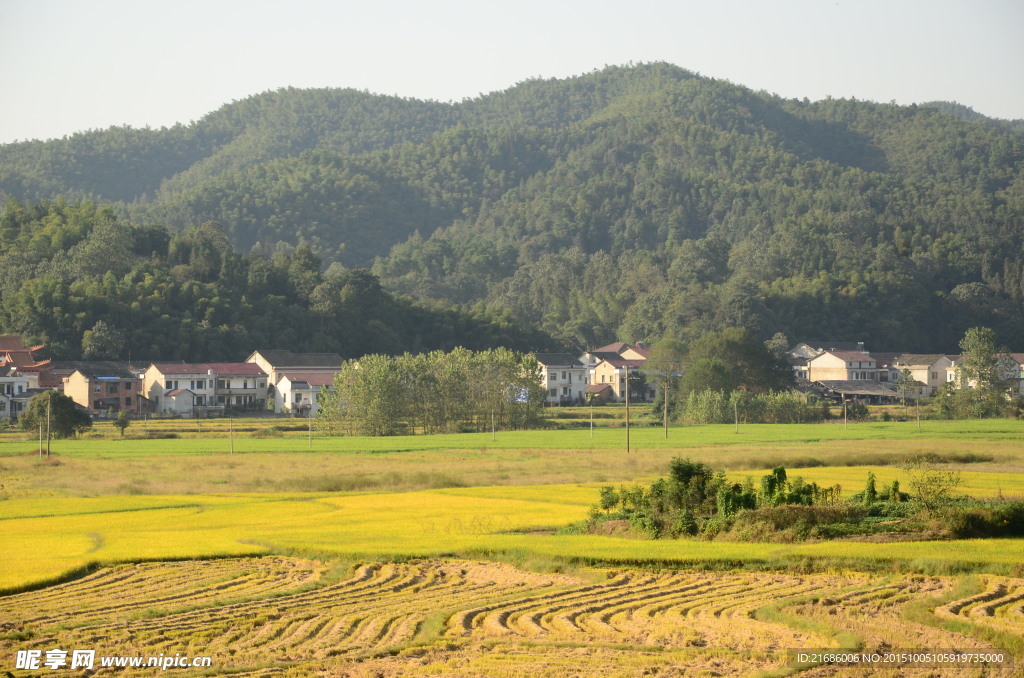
<point x="70" y="65"/>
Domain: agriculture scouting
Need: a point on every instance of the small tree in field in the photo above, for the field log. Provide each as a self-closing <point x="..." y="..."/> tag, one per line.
<point x="931" y="484"/>
<point x="123" y="421"/>
<point x="65" y="418"/>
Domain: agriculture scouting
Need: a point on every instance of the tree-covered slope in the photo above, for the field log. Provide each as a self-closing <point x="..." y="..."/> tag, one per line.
<point x="632" y="201"/>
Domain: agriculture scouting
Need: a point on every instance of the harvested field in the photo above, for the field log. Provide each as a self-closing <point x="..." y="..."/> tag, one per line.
<point x="287" y="616"/>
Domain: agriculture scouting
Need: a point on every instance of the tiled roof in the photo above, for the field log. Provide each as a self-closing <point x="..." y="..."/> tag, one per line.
<point x="107" y="368"/>
<point x="854" y="387"/>
<point x="177" y="392"/>
<point x="218" y="369"/>
<point x="311" y="378"/>
<point x="558" y="359"/>
<point x="918" y="358"/>
<point x="12" y="342"/>
<point x="279" y="359"/>
<point x="851" y="355"/>
<point x="626" y="363"/>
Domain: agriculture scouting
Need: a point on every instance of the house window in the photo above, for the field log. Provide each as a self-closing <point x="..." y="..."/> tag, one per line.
<point x="553" y="393"/>
<point x="171" y="385"/>
<point x="935" y="375"/>
<point x="111" y="388"/>
<point x="127" y="402"/>
<point x="563" y="376"/>
<point x="97" y="388"/>
<point x="552" y="376"/>
<point x="3" y="405"/>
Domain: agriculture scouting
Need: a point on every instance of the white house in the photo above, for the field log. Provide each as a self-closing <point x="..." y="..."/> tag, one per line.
<point x="298" y="393"/>
<point x="15" y="381"/>
<point x="931" y="369"/>
<point x="5" y="406"/>
<point x="214" y="387"/>
<point x="277" y="363"/>
<point x="563" y="377"/>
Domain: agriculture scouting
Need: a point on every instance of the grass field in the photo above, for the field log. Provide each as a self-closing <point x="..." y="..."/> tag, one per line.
<point x="469" y="522"/>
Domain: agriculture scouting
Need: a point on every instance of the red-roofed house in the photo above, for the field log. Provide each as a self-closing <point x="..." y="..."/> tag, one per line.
<point x="214" y="387"/>
<point x="613" y="372"/>
<point x="18" y="365"/>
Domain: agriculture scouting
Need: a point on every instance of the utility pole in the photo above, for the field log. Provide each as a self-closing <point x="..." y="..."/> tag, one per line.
<point x="231" y="436"/>
<point x="591" y="419"/>
<point x="665" y="416"/>
<point x="311" y="426"/>
<point x="49" y="403"/>
<point x="626" y="370"/>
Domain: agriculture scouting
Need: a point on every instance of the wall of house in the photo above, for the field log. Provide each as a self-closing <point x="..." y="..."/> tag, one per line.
<point x="563" y="384"/>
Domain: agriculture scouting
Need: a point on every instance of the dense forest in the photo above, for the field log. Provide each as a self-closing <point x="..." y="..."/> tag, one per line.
<point x="91" y="286"/>
<point x="633" y="202"/>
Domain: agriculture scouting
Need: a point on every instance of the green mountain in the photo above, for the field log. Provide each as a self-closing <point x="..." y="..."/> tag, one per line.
<point x="629" y="202"/>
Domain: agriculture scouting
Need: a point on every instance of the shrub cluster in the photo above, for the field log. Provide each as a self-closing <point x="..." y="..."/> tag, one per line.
<point x="694" y="499"/>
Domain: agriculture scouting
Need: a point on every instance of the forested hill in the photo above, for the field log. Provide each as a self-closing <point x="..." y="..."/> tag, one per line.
<point x="629" y="202"/>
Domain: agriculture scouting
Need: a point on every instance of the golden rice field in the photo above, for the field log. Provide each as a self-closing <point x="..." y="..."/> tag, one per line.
<point x="279" y="616"/>
<point x="423" y="556"/>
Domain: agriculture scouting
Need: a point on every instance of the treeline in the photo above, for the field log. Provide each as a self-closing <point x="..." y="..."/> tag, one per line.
<point x="781" y="407"/>
<point x="436" y="392"/>
<point x="89" y="285"/>
<point x="631" y="202"/>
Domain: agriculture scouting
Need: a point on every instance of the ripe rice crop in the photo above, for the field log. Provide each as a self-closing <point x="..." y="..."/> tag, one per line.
<point x="281" y="616"/>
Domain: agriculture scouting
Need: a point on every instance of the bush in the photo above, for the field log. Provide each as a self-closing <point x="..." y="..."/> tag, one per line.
<point x="1003" y="520"/>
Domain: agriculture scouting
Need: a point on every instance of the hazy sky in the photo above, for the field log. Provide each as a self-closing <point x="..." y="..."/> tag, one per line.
<point x="71" y="65"/>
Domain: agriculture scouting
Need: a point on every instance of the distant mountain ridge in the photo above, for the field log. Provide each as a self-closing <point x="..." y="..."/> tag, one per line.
<point x="629" y="202"/>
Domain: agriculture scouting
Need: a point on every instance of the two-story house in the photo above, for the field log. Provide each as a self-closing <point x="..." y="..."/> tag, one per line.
<point x="834" y="365"/>
<point x="212" y="387"/>
<point x="311" y="368"/>
<point x="563" y="377"/>
<point x="102" y="387"/>
<point x="298" y="393"/>
<point x="614" y="371"/>
<point x="930" y="369"/>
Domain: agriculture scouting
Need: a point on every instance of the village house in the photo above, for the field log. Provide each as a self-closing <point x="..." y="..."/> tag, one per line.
<point x="836" y="365"/>
<point x="5" y="406"/>
<point x="298" y="393"/>
<point x="315" y="369"/>
<point x="930" y="369"/>
<point x="212" y="387"/>
<point x="104" y="387"/>
<point x="614" y="371"/>
<point x="563" y="377"/>
<point x="275" y="363"/>
<point x="14" y="381"/>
